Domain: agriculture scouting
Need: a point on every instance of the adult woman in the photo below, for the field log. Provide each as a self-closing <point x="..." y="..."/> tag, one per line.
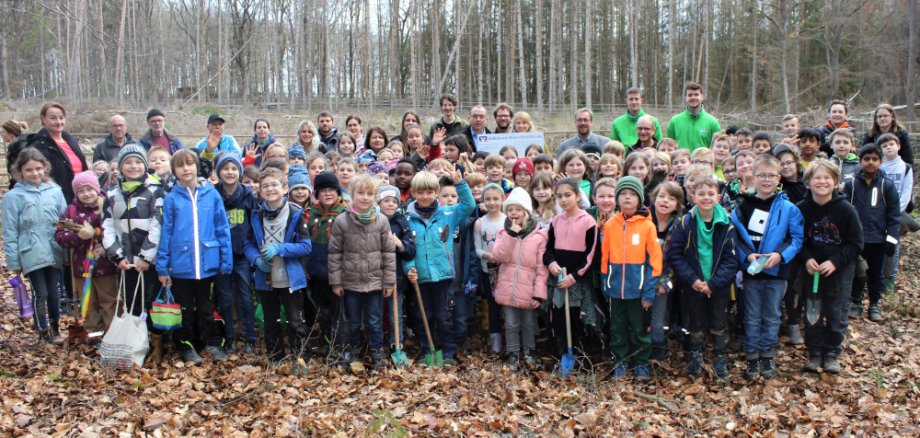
<point x="10" y="132"/>
<point x="884" y="121"/>
<point x="261" y="139"/>
<point x="353" y="123"/>
<point x="308" y="137"/>
<point x="410" y="118"/>
<point x="376" y="140"/>
<point x="60" y="148"/>
<point x="522" y="122"/>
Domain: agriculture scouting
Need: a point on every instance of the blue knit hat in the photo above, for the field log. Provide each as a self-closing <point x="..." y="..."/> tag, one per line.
<point x="299" y="180"/>
<point x="226" y="159"/>
<point x="297" y="151"/>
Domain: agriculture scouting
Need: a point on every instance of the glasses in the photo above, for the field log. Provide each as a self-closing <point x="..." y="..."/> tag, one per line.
<point x="786" y="163"/>
<point x="766" y="176"/>
<point x="582" y="120"/>
<point x="269" y="186"/>
<point x="708" y="163"/>
<point x="883" y="116"/>
<point x="642" y="128"/>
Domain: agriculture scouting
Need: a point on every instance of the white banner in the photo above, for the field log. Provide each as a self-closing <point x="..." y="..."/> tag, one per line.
<point x="492" y="143"/>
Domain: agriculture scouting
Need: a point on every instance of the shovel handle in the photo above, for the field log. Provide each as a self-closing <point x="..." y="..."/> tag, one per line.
<point x="395" y="317"/>
<point x="421" y="308"/>
<point x="568" y="318"/>
<point x="817" y="280"/>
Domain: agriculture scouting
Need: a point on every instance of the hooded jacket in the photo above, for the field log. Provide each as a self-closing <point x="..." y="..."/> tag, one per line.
<point x="29" y="214"/>
<point x="79" y="212"/>
<point x="362" y="257"/>
<point x="319" y="226"/>
<point x="296" y="246"/>
<point x="631" y="259"/>
<point x="832" y="231"/>
<point x="195" y="238"/>
<point x="878" y="206"/>
<point x="434" y="243"/>
<point x="131" y="222"/>
<point x="683" y="253"/>
<point x="399" y="226"/>
<point x="239" y="206"/>
<point x="522" y="276"/>
<point x="782" y="234"/>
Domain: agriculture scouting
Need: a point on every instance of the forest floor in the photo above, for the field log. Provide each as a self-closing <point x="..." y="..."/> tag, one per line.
<point x="64" y="391"/>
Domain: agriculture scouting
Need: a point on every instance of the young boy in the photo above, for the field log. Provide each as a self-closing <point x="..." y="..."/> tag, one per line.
<point x="769" y="237"/>
<point x="631" y="264"/>
<point x="362" y="266"/>
<point x="701" y="251"/>
<point x="843" y="144"/>
<point x="495" y="172"/>
<point x="543" y="164"/>
<point x="902" y="174"/>
<point x="522" y="172"/>
<point x="238" y="203"/>
<point x="158" y="157"/>
<point x="761" y="143"/>
<point x="404" y="241"/>
<point x="809" y="146"/>
<point x="345" y="170"/>
<point x="876" y="200"/>
<point x="433" y="226"/>
<point x="833" y="241"/>
<point x="744" y="139"/>
<point x="402" y="178"/>
<point x="277" y="242"/>
<point x="466" y="266"/>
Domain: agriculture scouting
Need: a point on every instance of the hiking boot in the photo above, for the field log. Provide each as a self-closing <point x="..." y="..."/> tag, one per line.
<point x="856" y="310"/>
<point x="695" y="364"/>
<point x="55" y="334"/>
<point x="450" y="361"/>
<point x="378" y="359"/>
<point x="768" y="368"/>
<point x="720" y="369"/>
<point x="813" y="364"/>
<point x="530" y="361"/>
<point x="659" y="353"/>
<point x="191" y="355"/>
<point x="513" y="362"/>
<point x="620" y="370"/>
<point x="642" y="373"/>
<point x="875" y="314"/>
<point x="216" y="353"/>
<point x="229" y="347"/>
<point x="795" y="335"/>
<point x="249" y="348"/>
<point x="831" y="365"/>
<point x="753" y="369"/>
<point x="495" y="342"/>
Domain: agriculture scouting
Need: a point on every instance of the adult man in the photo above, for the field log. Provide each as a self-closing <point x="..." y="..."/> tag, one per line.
<point x="450" y="124"/>
<point x="156" y="134"/>
<point x="328" y="133"/>
<point x="477" y="126"/>
<point x="503" y="115"/>
<point x="216" y="141"/>
<point x="694" y="127"/>
<point x="584" y="120"/>
<point x="107" y="149"/>
<point x="623" y="128"/>
<point x="645" y="132"/>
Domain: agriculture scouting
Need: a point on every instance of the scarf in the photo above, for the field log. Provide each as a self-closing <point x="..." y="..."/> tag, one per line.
<point x="128" y="186"/>
<point x="262" y="145"/>
<point x="529" y="226"/>
<point x="270" y="214"/>
<point x="367" y="217"/>
<point x="426" y="212"/>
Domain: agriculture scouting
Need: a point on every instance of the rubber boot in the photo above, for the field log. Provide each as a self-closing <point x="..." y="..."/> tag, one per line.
<point x="156" y="350"/>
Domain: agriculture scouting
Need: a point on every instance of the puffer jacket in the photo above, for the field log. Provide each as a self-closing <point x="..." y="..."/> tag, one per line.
<point x="631" y="259"/>
<point x="296" y="246"/>
<point x="683" y="254"/>
<point x="522" y="276"/>
<point x="195" y="239"/>
<point x="319" y="225"/>
<point x="29" y="214"/>
<point x="131" y="222"/>
<point x="362" y="257"/>
<point x="79" y="212"/>
<point x="879" y="207"/>
<point x="434" y="243"/>
<point x="399" y="226"/>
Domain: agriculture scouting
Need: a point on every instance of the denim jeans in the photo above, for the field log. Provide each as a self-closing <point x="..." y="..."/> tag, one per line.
<point x="388" y="312"/>
<point x="660" y="317"/>
<point x="45" y="297"/>
<point x="460" y="314"/>
<point x="825" y="337"/>
<point x="762" y="315"/>
<point x="237" y="281"/>
<point x="371" y="305"/>
<point x="434" y="296"/>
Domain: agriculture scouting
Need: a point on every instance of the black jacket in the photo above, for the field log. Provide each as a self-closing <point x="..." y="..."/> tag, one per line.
<point x="832" y="232"/>
<point x="61" y="172"/>
<point x="399" y="225"/>
<point x="906" y="153"/>
<point x="683" y="255"/>
<point x="882" y="218"/>
<point x="107" y="150"/>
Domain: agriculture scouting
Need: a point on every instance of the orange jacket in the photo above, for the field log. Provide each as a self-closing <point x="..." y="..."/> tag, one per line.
<point x="631" y="258"/>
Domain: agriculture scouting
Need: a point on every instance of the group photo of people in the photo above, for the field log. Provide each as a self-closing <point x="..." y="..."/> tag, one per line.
<point x="692" y="244"/>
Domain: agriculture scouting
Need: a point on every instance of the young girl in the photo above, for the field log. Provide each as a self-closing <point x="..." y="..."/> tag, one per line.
<point x="640" y="166"/>
<point x="361" y="239"/>
<point x="262" y="137"/>
<point x="721" y="149"/>
<point x="250" y="179"/>
<point x="661" y="164"/>
<point x="316" y="164"/>
<point x="667" y="145"/>
<point x="30" y="210"/>
<point x="522" y="172"/>
<point x="194" y="248"/>
<point x="615" y="148"/>
<point x="522" y="277"/>
<point x="680" y="161"/>
<point x="86" y="210"/>
<point x="574" y="164"/>
<point x="571" y="243"/>
<point x="347" y="144"/>
<point x="609" y="167"/>
<point x="275" y="150"/>
<point x="744" y="175"/>
<point x="667" y="206"/>
<point x="299" y="190"/>
<point x="398" y="148"/>
<point x="541" y="191"/>
<point x="533" y="150"/>
<point x="508" y="153"/>
<point x="486" y="230"/>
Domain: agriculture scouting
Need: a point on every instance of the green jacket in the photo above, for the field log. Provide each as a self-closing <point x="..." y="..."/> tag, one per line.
<point x="693" y="131"/>
<point x="623" y="128"/>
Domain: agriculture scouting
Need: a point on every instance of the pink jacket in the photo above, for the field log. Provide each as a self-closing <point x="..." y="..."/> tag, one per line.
<point x="522" y="275"/>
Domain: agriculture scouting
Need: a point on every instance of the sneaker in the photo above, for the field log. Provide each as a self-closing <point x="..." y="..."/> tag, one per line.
<point x="768" y="368"/>
<point x="718" y="366"/>
<point x="795" y="335"/>
<point x="513" y="362"/>
<point x="856" y="310"/>
<point x="875" y="314"/>
<point x="531" y="362"/>
<point x="216" y="353"/>
<point x="753" y="369"/>
<point x="191" y="355"/>
<point x="495" y="341"/>
<point x="378" y="359"/>
<point x="695" y="364"/>
<point x="57" y="339"/>
<point x="642" y="372"/>
<point x="659" y="353"/>
<point x="230" y="347"/>
<point x="249" y="348"/>
<point x="813" y="364"/>
<point x="620" y="370"/>
<point x="450" y="361"/>
<point x="831" y="365"/>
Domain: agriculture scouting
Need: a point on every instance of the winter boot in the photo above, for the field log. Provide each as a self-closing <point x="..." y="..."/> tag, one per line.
<point x="795" y="335"/>
<point x="831" y="365"/>
<point x="513" y="362"/>
<point x="57" y="339"/>
<point x="768" y="368"/>
<point x="875" y="314"/>
<point x="753" y="369"/>
<point x="379" y="359"/>
<point x="813" y="364"/>
<point x="695" y="364"/>
<point x="659" y="353"/>
<point x="719" y="367"/>
<point x="156" y="350"/>
<point x="856" y="310"/>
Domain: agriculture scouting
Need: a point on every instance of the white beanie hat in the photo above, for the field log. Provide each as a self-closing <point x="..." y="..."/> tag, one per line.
<point x="520" y="198"/>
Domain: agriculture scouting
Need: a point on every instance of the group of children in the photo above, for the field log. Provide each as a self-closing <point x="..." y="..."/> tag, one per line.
<point x="642" y="244"/>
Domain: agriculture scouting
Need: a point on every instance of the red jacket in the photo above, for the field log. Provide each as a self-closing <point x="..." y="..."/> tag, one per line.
<point x="77" y="247"/>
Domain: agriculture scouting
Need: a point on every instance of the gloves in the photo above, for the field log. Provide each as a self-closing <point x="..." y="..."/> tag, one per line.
<point x="263" y="265"/>
<point x="86" y="231"/>
<point x="270" y="251"/>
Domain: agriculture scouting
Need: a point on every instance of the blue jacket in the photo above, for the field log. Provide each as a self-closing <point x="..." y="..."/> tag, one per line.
<point x="239" y="206"/>
<point x="227" y="143"/>
<point x="783" y="233"/>
<point x="684" y="259"/>
<point x="195" y="235"/>
<point x="434" y="243"/>
<point x="29" y="214"/>
<point x="399" y="225"/>
<point x="882" y="219"/>
<point x="296" y="246"/>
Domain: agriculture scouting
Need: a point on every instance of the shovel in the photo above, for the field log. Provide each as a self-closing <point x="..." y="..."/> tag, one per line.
<point x="398" y="356"/>
<point x="813" y="303"/>
<point x="567" y="362"/>
<point x="434" y="357"/>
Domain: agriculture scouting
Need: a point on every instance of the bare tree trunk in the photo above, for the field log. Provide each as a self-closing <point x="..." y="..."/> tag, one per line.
<point x="672" y="34"/>
<point x="393" y="53"/>
<point x="434" y="23"/>
<point x="575" y="33"/>
<point x="633" y="16"/>
<point x="455" y="50"/>
<point x="413" y="55"/>
<point x="553" y="52"/>
<point x="120" y="55"/>
<point x="753" y="96"/>
<point x="538" y="41"/>
<point x="913" y="60"/>
<point x="589" y="35"/>
<point x="479" y="93"/>
<point x="520" y="40"/>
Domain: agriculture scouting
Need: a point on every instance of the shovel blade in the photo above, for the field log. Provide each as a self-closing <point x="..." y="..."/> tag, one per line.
<point x="812" y="310"/>
<point x="400" y="359"/>
<point x="567" y="364"/>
